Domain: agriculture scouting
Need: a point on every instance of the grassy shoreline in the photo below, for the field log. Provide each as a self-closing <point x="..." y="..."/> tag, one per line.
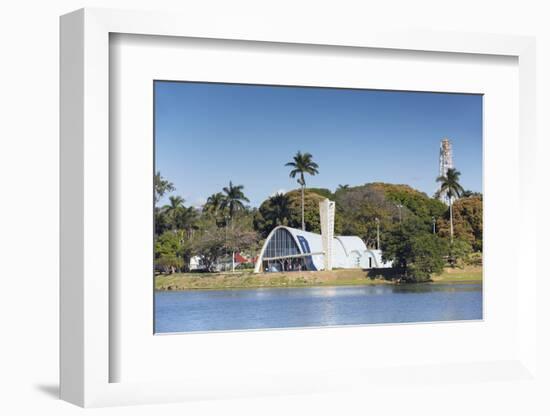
<point x="248" y="280"/>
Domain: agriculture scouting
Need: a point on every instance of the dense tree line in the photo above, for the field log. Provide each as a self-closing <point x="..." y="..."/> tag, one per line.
<point x="220" y="228"/>
<point x="420" y="234"/>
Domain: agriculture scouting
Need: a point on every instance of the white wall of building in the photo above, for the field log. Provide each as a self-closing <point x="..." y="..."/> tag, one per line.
<point x="348" y="252"/>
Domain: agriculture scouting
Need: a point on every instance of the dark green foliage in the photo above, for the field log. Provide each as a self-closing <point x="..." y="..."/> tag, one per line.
<point x="175" y="216"/>
<point x="287" y="210"/>
<point x="274" y="211"/>
<point x="301" y="164"/>
<point x="459" y="252"/>
<point x="162" y="222"/>
<point x="214" y="203"/>
<point x="415" y="202"/>
<point x="427" y="257"/>
<point x="170" y="252"/>
<point x="450" y="187"/>
<point x="415" y="251"/>
<point x="311" y="210"/>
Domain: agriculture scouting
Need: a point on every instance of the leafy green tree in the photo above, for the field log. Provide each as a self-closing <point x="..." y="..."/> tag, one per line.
<point x="280" y="204"/>
<point x="414" y="202"/>
<point x="241" y="237"/>
<point x="301" y="164"/>
<point x="162" y="222"/>
<point x="467" y="222"/>
<point x="210" y="244"/>
<point x="459" y="252"/>
<point x="451" y="189"/>
<point x="358" y="207"/>
<point x="414" y="251"/>
<point x="168" y="252"/>
<point x="233" y="199"/>
<point x="427" y="257"/>
<point x="275" y="211"/>
<point x="268" y="217"/>
<point x="162" y="186"/>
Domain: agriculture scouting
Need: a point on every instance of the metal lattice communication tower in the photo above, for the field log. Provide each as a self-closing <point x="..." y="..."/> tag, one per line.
<point x="445" y="160"/>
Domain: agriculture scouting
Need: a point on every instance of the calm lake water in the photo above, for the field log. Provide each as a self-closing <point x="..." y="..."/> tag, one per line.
<point x="210" y="310"/>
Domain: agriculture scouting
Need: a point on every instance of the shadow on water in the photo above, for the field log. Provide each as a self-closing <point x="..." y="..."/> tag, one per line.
<point x="434" y="287"/>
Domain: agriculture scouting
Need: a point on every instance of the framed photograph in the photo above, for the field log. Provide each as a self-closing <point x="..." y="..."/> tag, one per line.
<point x="249" y="213"/>
<point x="235" y="248"/>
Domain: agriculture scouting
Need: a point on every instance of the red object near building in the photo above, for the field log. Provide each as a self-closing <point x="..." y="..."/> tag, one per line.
<point x="240" y="259"/>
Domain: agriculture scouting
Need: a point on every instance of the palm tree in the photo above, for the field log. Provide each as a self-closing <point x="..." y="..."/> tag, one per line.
<point x="179" y="216"/>
<point x="214" y="203"/>
<point x="342" y="187"/>
<point x="233" y="199"/>
<point x="451" y="189"/>
<point x="280" y="209"/>
<point x="173" y="208"/>
<point x="185" y="219"/>
<point x="302" y="163"/>
<point x="233" y="202"/>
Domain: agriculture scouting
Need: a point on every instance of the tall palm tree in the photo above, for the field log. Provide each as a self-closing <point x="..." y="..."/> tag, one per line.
<point x="233" y="199"/>
<point x="302" y="163"/>
<point x="231" y="203"/>
<point x="451" y="189"/>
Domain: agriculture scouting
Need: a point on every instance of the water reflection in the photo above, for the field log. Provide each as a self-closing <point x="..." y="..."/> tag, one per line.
<point x="434" y="287"/>
<point x="315" y="306"/>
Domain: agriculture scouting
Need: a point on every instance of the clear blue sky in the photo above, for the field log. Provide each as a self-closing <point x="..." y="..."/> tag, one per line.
<point x="208" y="134"/>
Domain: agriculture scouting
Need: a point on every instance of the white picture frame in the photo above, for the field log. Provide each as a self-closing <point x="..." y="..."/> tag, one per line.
<point x="86" y="329"/>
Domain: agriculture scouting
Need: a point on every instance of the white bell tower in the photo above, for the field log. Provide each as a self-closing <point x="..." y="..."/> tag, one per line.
<point x="326" y="213"/>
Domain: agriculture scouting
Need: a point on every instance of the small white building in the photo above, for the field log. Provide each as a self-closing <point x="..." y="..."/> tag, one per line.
<point x="195" y="264"/>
